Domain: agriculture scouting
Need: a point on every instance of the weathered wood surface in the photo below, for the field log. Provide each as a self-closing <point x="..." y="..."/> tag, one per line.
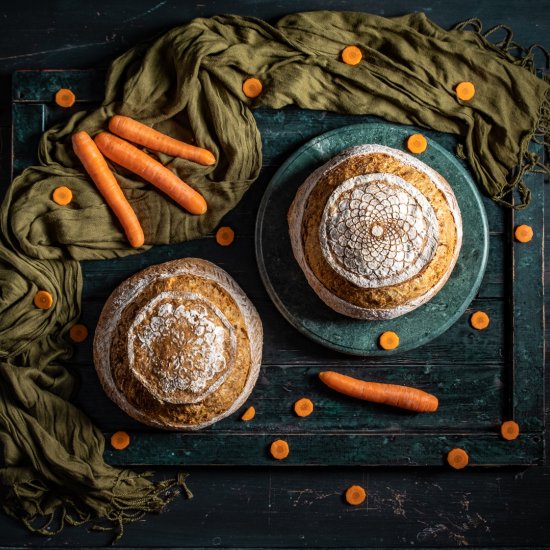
<point x="297" y="507"/>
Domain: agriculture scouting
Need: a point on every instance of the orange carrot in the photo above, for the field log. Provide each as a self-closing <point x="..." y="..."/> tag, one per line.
<point x="389" y="394"/>
<point x="509" y="430"/>
<point x="465" y="91"/>
<point x="479" y="320"/>
<point x="249" y="414"/>
<point x="417" y="143"/>
<point x="351" y="55"/>
<point x="355" y="495"/>
<point x="96" y="166"/>
<point x="120" y="440"/>
<point x="43" y="299"/>
<point x="78" y="333"/>
<point x="303" y="407"/>
<point x="151" y="170"/>
<point x="135" y="131"/>
<point x="458" y="458"/>
<point x="252" y="87"/>
<point x="388" y="340"/>
<point x="65" y="98"/>
<point x="279" y="449"/>
<point x="62" y="195"/>
<point x="225" y="236"/>
<point x="523" y="233"/>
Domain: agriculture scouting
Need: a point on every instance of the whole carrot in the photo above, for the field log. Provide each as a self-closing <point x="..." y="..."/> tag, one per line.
<point x="389" y="394"/>
<point x="137" y="132"/>
<point x="97" y="168"/>
<point x="149" y="169"/>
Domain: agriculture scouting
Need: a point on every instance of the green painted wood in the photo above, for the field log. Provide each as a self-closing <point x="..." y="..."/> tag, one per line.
<point x="288" y="287"/>
<point x="28" y="126"/>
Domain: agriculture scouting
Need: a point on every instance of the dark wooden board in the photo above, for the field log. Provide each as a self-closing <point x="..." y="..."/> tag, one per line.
<point x="481" y="378"/>
<point x="243" y="507"/>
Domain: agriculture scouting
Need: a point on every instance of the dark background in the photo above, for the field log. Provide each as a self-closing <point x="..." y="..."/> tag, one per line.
<point x="285" y="507"/>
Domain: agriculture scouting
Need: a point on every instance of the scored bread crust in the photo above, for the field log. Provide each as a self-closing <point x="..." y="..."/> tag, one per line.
<point x="342" y="295"/>
<point x="189" y="277"/>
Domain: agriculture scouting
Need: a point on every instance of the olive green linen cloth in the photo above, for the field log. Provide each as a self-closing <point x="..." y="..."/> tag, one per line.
<point x="189" y="83"/>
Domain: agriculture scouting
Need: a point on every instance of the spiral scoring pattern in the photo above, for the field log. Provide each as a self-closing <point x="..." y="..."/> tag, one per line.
<point x="378" y="230"/>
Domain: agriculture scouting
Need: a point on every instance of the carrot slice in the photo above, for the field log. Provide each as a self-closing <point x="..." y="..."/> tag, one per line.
<point x="303" y="407"/>
<point x="417" y="144"/>
<point x="479" y="320"/>
<point x="43" y="299"/>
<point x="225" y="236"/>
<point x="279" y="449"/>
<point x="62" y="195"/>
<point x="458" y="458"/>
<point x="465" y="91"/>
<point x="523" y="233"/>
<point x="509" y="430"/>
<point x="65" y="98"/>
<point x="135" y="131"/>
<point x="120" y="440"/>
<point x="78" y="333"/>
<point x="252" y="87"/>
<point x="249" y="414"/>
<point x="351" y="55"/>
<point x="355" y="495"/>
<point x="388" y="340"/>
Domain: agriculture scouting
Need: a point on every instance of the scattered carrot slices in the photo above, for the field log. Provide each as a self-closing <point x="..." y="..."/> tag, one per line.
<point x="43" y="299"/>
<point x="509" y="430"/>
<point x="65" y="97"/>
<point x="351" y="55"/>
<point x="252" y="87"/>
<point x="78" y="333"/>
<point x="465" y="91"/>
<point x="417" y="144"/>
<point x="225" y="236"/>
<point x="249" y="414"/>
<point x="479" y="320"/>
<point x="458" y="458"/>
<point x="303" y="407"/>
<point x="388" y="340"/>
<point x="120" y="440"/>
<point x="279" y="449"/>
<point x="523" y="233"/>
<point x="355" y="495"/>
<point x="62" y="195"/>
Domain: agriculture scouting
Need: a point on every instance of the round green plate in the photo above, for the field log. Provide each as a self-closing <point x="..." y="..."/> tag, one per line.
<point x="288" y="288"/>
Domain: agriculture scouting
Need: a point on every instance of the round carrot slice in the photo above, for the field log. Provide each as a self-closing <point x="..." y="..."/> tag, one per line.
<point x="225" y="236"/>
<point x="43" y="299"/>
<point x="465" y="91"/>
<point x="479" y="320"/>
<point x="62" y="195"/>
<point x="279" y="449"/>
<point x="351" y="55"/>
<point x="417" y="144"/>
<point x="120" y="440"/>
<point x="388" y="340"/>
<point x="78" y="333"/>
<point x="355" y="495"/>
<point x="509" y="430"/>
<point x="523" y="233"/>
<point x="249" y="414"/>
<point x="458" y="458"/>
<point x="303" y="407"/>
<point x="65" y="97"/>
<point x="252" y="87"/>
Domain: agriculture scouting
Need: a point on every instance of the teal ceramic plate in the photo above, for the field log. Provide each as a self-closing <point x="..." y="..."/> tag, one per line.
<point x="287" y="285"/>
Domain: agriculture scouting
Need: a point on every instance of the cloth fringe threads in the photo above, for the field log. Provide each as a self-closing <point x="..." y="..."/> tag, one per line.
<point x="531" y="162"/>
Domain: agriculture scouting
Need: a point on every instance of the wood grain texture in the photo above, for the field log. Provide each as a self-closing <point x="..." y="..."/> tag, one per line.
<point x="290" y="507"/>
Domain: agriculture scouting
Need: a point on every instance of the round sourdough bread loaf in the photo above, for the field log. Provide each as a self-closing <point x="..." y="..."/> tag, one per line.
<point x="376" y="232"/>
<point x="178" y="345"/>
